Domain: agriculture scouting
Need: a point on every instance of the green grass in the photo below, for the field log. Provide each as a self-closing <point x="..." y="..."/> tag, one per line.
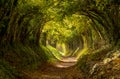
<point x="21" y="57"/>
<point x="55" y="52"/>
<point x="82" y="52"/>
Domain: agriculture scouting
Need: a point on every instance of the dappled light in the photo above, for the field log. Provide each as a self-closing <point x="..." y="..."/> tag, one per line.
<point x="59" y="39"/>
<point x="66" y="62"/>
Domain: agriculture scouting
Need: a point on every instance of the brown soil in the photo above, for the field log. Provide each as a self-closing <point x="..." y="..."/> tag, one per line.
<point x="64" y="69"/>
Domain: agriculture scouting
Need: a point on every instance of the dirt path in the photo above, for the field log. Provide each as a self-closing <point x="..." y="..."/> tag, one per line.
<point x="66" y="62"/>
<point x="63" y="69"/>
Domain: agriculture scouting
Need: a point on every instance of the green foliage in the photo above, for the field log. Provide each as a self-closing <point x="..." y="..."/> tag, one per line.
<point x="82" y="63"/>
<point x="21" y="57"/>
<point x="100" y="53"/>
<point x="24" y="55"/>
<point x="55" y="52"/>
<point x="86" y="61"/>
<point x="7" y="71"/>
<point x="72" y="22"/>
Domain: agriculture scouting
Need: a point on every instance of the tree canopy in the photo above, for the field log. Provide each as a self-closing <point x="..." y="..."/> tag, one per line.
<point x="26" y="26"/>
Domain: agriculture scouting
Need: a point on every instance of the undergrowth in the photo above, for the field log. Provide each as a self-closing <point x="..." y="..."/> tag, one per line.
<point x="86" y="61"/>
<point x="19" y="57"/>
<point x="8" y="72"/>
<point x="55" y="52"/>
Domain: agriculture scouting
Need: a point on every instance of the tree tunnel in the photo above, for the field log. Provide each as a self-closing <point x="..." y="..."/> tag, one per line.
<point x="36" y="32"/>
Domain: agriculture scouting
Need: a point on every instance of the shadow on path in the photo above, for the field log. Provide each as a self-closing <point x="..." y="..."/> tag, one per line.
<point x="64" y="69"/>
